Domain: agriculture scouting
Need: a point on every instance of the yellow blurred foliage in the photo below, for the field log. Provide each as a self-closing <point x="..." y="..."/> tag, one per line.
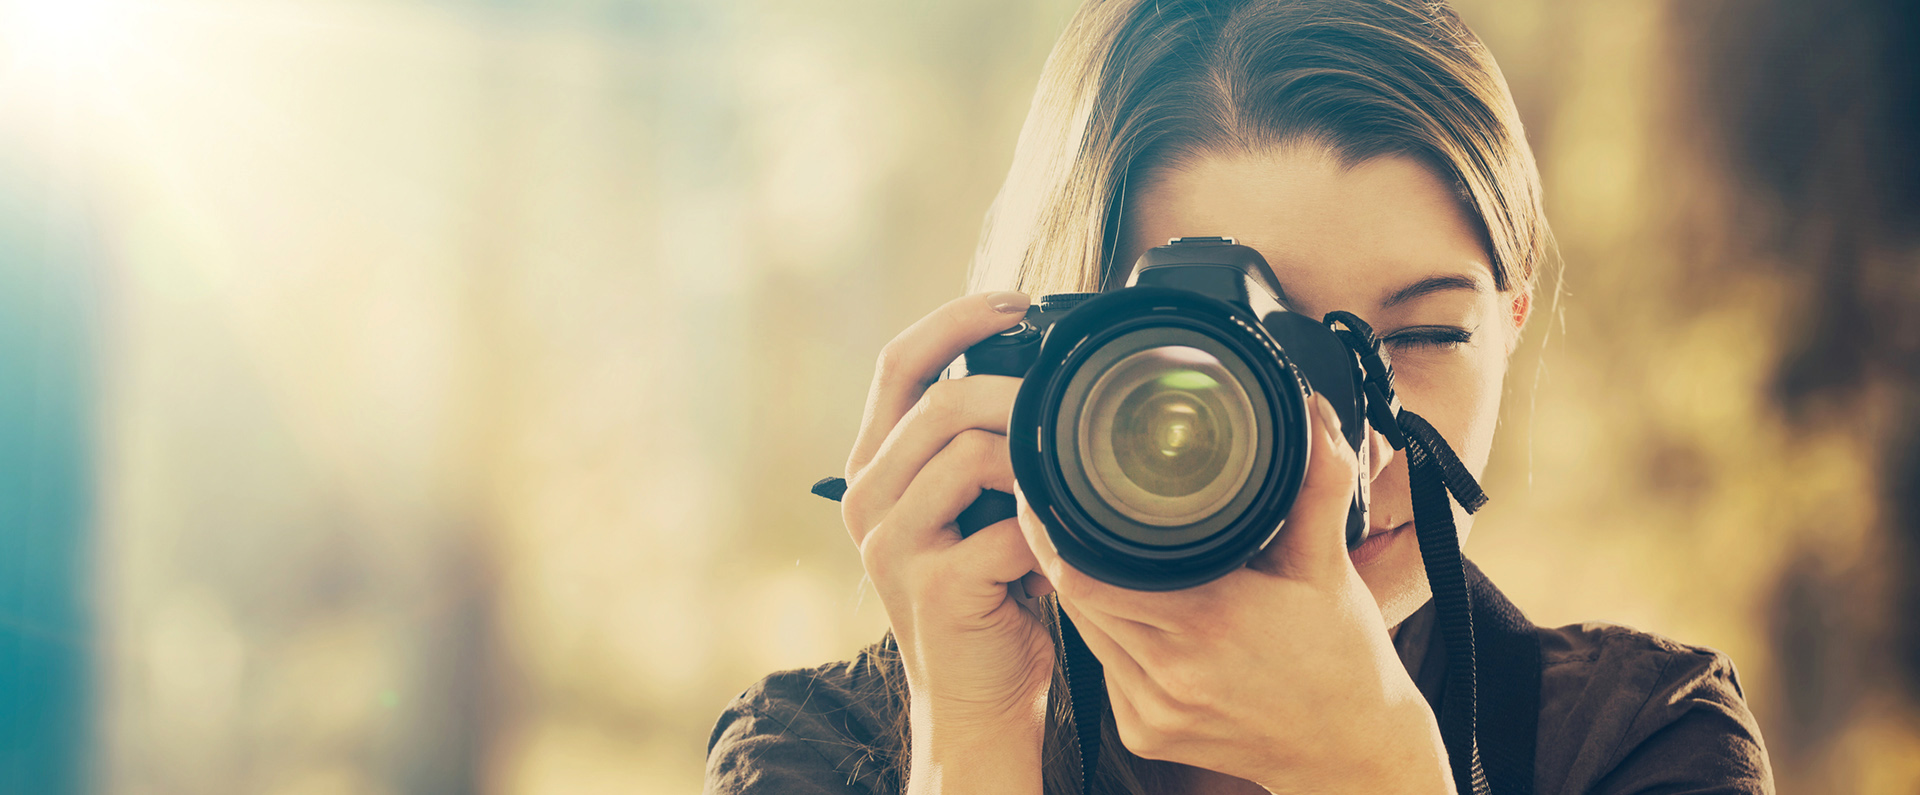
<point x="465" y="366"/>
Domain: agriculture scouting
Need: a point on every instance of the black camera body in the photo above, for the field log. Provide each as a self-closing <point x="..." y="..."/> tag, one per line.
<point x="1162" y="431"/>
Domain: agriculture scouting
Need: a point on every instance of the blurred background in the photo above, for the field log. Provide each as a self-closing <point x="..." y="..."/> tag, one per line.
<point x="406" y="396"/>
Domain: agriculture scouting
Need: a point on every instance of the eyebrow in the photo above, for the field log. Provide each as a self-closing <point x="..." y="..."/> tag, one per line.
<point x="1429" y="286"/>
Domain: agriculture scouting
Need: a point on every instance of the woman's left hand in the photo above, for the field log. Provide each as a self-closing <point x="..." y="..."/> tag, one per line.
<point x="1281" y="673"/>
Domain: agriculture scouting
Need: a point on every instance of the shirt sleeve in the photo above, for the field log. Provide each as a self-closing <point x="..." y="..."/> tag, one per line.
<point x="790" y="733"/>
<point x="1692" y="735"/>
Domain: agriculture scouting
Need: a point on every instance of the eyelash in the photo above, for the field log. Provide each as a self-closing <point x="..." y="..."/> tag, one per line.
<point x="1430" y="337"/>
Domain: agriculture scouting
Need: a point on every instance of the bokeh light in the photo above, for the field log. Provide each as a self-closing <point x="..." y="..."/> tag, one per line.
<point x="422" y="395"/>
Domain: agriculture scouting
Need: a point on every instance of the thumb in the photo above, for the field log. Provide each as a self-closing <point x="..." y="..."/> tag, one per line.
<point x="1312" y="542"/>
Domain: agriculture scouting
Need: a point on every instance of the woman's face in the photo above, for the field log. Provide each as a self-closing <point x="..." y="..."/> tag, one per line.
<point x="1386" y="240"/>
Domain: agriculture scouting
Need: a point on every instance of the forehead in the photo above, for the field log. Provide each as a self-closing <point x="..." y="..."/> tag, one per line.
<point x="1333" y="233"/>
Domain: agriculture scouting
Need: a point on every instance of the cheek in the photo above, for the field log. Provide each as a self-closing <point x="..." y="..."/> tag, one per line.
<point x="1461" y="397"/>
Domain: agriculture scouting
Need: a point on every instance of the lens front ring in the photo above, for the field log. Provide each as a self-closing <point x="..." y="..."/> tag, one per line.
<point x="1105" y="543"/>
<point x="1179" y="491"/>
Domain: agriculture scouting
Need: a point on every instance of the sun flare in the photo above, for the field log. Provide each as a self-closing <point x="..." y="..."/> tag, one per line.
<point x="56" y="38"/>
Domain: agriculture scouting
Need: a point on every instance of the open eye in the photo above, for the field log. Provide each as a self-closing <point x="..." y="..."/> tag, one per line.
<point x="1419" y="337"/>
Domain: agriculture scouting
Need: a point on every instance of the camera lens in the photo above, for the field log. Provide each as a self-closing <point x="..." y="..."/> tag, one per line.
<point x="1168" y="435"/>
<point x="1161" y="437"/>
<point x="1158" y="435"/>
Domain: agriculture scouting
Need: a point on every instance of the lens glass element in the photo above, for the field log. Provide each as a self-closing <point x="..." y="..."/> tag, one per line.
<point x="1168" y="435"/>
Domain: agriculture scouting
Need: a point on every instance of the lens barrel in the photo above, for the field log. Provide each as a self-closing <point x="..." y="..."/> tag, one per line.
<point x="1166" y="430"/>
<point x="1161" y="435"/>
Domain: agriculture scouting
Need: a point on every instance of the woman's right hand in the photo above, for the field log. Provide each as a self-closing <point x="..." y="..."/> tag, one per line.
<point x="978" y="664"/>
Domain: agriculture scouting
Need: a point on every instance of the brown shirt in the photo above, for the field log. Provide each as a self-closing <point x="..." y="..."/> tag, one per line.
<point x="1621" y="711"/>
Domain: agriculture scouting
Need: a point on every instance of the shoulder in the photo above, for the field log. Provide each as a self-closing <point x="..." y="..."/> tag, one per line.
<point x="1628" y="711"/>
<point x="825" y="729"/>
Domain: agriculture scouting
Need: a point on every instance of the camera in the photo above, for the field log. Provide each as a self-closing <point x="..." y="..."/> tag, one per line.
<point x="1161" y="432"/>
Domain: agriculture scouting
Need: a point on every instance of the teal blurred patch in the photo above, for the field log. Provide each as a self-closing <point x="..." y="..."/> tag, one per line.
<point x="47" y="264"/>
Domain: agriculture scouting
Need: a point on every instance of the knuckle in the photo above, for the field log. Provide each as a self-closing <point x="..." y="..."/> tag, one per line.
<point x="853" y="503"/>
<point x="874" y="553"/>
<point x="888" y="366"/>
<point x="855" y="522"/>
<point x="1126" y="724"/>
<point x="942" y="402"/>
<point x="1167" y="725"/>
<point x="1140" y="736"/>
<point x="979" y="449"/>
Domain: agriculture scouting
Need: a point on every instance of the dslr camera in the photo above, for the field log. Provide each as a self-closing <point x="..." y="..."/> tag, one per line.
<point x="1162" y="432"/>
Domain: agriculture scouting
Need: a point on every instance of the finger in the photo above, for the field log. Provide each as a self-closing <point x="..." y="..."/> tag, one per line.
<point x="1128" y="722"/>
<point x="915" y="358"/>
<point x="1129" y="684"/>
<point x="924" y="516"/>
<point x="1035" y="533"/>
<point x="1037" y="584"/>
<point x="1120" y="666"/>
<point x="996" y="553"/>
<point x="1158" y="611"/>
<point x="1312" y="542"/>
<point x="947" y="409"/>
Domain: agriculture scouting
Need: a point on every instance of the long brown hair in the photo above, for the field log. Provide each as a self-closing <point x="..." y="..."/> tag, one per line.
<point x="1134" y="87"/>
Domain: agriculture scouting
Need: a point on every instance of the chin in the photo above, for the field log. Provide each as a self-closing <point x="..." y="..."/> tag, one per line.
<point x="1397" y="577"/>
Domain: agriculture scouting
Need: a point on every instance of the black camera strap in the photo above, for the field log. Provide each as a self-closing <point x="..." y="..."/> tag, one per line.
<point x="1433" y="472"/>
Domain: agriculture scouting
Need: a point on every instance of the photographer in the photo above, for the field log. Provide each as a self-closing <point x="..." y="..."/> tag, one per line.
<point x="1371" y="154"/>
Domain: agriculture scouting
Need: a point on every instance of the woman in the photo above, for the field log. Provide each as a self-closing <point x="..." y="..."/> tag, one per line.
<point x="1371" y="153"/>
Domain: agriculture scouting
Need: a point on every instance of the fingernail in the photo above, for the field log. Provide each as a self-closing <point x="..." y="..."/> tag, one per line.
<point x="1009" y="301"/>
